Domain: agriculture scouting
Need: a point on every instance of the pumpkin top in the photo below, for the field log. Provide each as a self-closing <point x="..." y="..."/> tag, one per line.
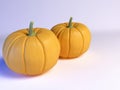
<point x="31" y="31"/>
<point x="70" y="24"/>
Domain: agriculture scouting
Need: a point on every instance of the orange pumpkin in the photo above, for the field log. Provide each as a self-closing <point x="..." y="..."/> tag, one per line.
<point x="74" y="38"/>
<point x="31" y="51"/>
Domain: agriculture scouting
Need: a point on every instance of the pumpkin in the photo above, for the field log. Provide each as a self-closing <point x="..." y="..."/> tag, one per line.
<point x="74" y="38"/>
<point x="31" y="51"/>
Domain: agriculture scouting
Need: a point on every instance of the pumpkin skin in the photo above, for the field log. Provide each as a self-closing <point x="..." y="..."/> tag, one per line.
<point x="31" y="55"/>
<point x="74" y="38"/>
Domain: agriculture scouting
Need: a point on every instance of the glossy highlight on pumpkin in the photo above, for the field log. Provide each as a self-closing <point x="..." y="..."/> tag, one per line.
<point x="74" y="38"/>
<point x="31" y="52"/>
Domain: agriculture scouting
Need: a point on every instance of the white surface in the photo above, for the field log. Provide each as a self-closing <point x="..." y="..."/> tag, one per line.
<point x="97" y="69"/>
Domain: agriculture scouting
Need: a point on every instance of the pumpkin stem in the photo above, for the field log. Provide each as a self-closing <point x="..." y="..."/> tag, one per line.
<point x="31" y="32"/>
<point x="70" y="23"/>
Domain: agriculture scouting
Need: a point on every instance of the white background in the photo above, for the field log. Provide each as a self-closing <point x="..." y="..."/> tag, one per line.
<point x="97" y="69"/>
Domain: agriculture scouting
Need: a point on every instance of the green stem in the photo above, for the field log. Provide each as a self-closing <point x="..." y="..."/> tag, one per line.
<point x="70" y="23"/>
<point x="31" y="32"/>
